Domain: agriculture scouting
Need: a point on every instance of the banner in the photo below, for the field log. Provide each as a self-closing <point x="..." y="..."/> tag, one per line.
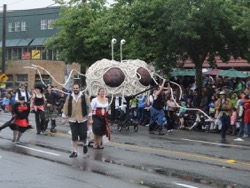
<point x="26" y="55"/>
<point x="36" y="54"/>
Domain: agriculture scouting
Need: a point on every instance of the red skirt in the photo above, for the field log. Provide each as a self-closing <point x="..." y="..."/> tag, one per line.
<point x="21" y="122"/>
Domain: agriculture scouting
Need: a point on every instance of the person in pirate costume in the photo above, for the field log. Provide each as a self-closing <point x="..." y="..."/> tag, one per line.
<point x="156" y="111"/>
<point x="50" y="109"/>
<point x="19" y="122"/>
<point x="23" y="91"/>
<point x="37" y="104"/>
<point x="224" y="111"/>
<point x="78" y="110"/>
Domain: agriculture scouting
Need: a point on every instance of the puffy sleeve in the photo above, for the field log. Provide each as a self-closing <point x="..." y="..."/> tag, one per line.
<point x="93" y="105"/>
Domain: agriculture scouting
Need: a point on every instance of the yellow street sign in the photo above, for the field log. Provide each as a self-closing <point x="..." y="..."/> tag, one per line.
<point x="36" y="54"/>
<point x="3" y="77"/>
<point x="2" y="85"/>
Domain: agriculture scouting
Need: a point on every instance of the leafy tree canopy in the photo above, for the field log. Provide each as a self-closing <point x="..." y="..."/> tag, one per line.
<point x="159" y="31"/>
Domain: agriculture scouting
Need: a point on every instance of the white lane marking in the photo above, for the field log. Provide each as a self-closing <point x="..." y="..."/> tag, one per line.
<point x="214" y="143"/>
<point x="185" y="185"/>
<point x="41" y="151"/>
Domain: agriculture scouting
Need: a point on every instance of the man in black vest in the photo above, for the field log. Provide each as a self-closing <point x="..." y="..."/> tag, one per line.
<point x="78" y="110"/>
<point x="22" y="91"/>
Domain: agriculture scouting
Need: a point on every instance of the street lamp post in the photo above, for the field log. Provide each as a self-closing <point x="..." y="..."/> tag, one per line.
<point x="4" y="39"/>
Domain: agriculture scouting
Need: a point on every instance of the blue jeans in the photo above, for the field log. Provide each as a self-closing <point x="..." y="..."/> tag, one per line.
<point x="156" y="116"/>
<point x="140" y="114"/>
<point x="247" y="129"/>
<point x="242" y="127"/>
<point x="225" y="121"/>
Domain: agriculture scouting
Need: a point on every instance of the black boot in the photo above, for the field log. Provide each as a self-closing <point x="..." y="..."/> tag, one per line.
<point x="160" y="131"/>
<point x="151" y="129"/>
<point x="233" y="130"/>
<point x="53" y="126"/>
<point x="46" y="123"/>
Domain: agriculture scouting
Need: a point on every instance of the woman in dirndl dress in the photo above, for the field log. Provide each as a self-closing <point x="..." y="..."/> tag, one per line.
<point x="100" y="126"/>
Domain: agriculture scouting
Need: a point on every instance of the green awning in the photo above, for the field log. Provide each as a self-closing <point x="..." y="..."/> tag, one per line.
<point x="17" y="42"/>
<point x="183" y="72"/>
<point x="6" y="43"/>
<point x="233" y="73"/>
<point x="24" y="42"/>
<point x="38" y="42"/>
<point x="12" y="43"/>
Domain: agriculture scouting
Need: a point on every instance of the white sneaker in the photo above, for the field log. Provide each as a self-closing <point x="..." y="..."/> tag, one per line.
<point x="238" y="139"/>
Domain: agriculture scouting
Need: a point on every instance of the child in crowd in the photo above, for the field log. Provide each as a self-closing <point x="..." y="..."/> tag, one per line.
<point x="211" y="105"/>
<point x="240" y="115"/>
<point x="181" y="113"/>
<point x="6" y="103"/>
<point x="233" y="120"/>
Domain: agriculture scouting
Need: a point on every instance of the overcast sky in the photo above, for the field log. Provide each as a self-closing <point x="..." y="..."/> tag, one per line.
<point x="28" y="4"/>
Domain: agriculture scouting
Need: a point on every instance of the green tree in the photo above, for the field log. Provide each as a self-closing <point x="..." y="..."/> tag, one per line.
<point x="159" y="31"/>
<point x="206" y="28"/>
<point x="76" y="41"/>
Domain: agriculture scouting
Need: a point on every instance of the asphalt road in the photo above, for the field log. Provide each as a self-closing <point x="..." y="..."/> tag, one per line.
<point x="131" y="159"/>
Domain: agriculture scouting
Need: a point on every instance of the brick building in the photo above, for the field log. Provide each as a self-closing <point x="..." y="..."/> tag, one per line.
<point x="17" y="72"/>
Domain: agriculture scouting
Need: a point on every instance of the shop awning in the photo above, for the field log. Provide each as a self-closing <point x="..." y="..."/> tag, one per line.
<point x="12" y="43"/>
<point x="38" y="42"/>
<point x="183" y="72"/>
<point x="233" y="73"/>
<point x="24" y="42"/>
<point x="17" y="42"/>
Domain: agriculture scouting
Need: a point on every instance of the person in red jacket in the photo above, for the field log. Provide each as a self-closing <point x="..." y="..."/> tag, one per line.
<point x="247" y="116"/>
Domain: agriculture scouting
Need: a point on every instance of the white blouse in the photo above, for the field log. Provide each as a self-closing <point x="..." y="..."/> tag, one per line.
<point x="96" y="104"/>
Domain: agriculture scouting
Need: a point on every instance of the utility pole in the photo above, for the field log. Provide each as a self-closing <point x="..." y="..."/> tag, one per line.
<point x="4" y="38"/>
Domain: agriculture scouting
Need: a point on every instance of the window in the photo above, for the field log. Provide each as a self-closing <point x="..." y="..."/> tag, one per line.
<point x="9" y="53"/>
<point x="21" y="77"/>
<point x="43" y="24"/>
<point x="17" y="26"/>
<point x="45" y="78"/>
<point x="23" y="26"/>
<point x="50" y="24"/>
<point x="16" y="53"/>
<point x="9" y="84"/>
<point x="19" y="53"/>
<point x="11" y="27"/>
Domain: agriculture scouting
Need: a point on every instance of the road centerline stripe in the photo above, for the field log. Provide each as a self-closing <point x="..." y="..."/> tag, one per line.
<point x="215" y="143"/>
